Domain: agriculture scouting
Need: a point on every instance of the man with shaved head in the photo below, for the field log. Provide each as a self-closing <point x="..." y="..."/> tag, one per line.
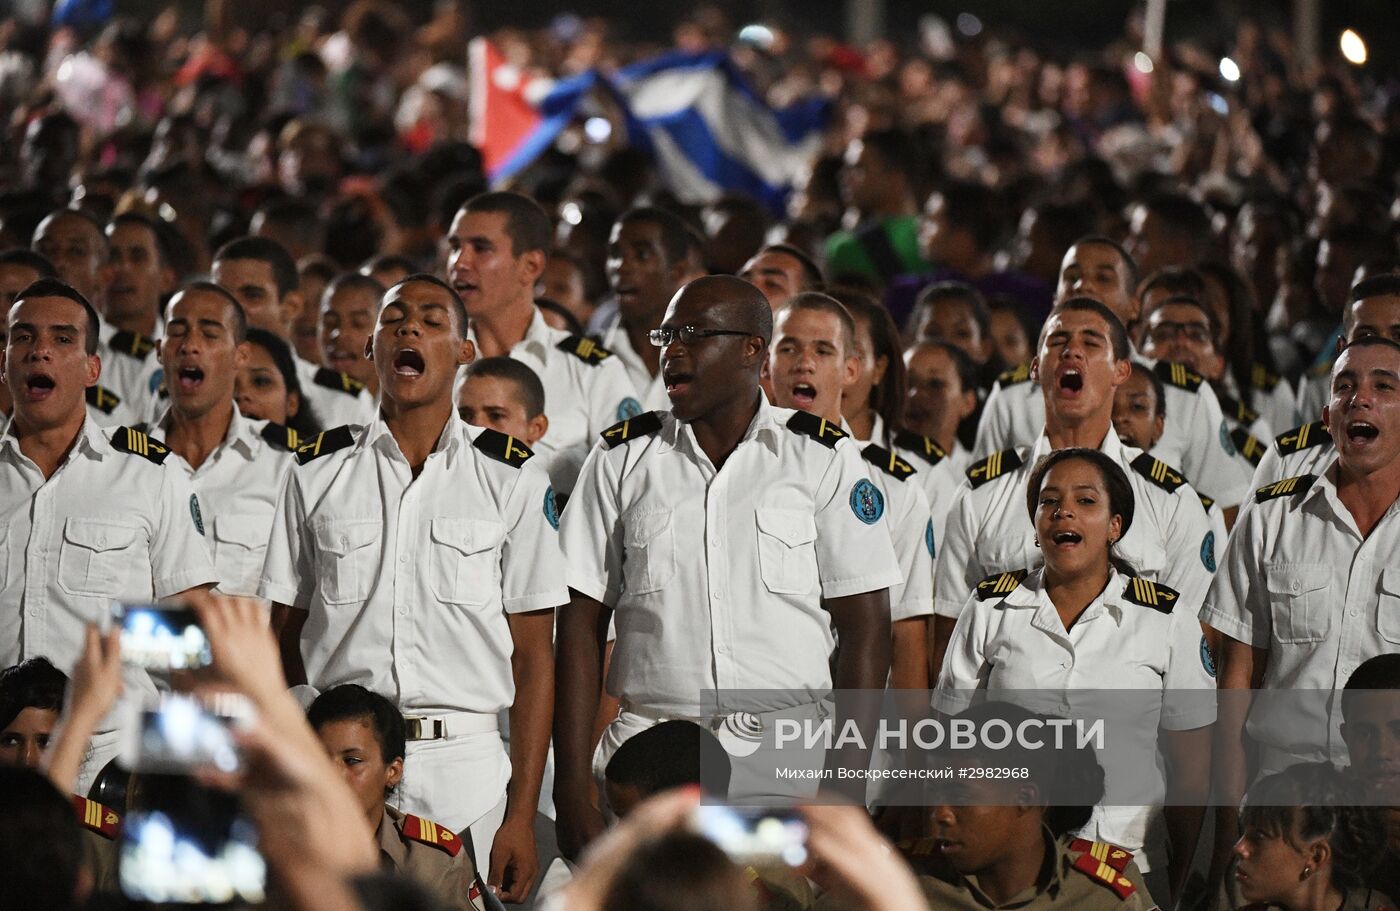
<point x="727" y="537"/>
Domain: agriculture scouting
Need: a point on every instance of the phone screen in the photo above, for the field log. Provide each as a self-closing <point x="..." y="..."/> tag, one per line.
<point x="158" y="637"/>
<point x="182" y="734"/>
<point x="754" y="834"/>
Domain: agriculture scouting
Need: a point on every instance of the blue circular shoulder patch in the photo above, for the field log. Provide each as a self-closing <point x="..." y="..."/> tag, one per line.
<point x="628" y="408"/>
<point x="195" y="514"/>
<point x="1207" y="660"/>
<point x="551" y="508"/>
<point x="156" y="379"/>
<point x="1225" y="442"/>
<point x="928" y="537"/>
<point x="867" y="502"/>
<point x="1208" y="551"/>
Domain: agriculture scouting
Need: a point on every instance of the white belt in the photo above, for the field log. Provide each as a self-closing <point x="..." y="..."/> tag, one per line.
<point x="448" y="724"/>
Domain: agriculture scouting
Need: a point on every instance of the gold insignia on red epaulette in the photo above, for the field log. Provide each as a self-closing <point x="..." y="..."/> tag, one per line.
<point x="129" y="439"/>
<point x="642" y="425"/>
<point x="1158" y="472"/>
<point x="1261" y="378"/>
<point x="95" y="817"/>
<point x="1116" y="857"/>
<point x="1304" y="437"/>
<point x="1284" y="488"/>
<point x="503" y="447"/>
<point x="585" y="349"/>
<point x="1150" y="594"/>
<point x="324" y="443"/>
<point x="340" y="382"/>
<point x="430" y="833"/>
<point x="1000" y="584"/>
<point x="819" y="429"/>
<point x="1102" y="872"/>
<point x="280" y="437"/>
<point x="921" y="446"/>
<point x="887" y="462"/>
<point x="993" y="467"/>
<point x="132" y="344"/>
<point x="1248" y="446"/>
<point x="102" y="398"/>
<point x="1179" y="375"/>
<point x="1018" y="374"/>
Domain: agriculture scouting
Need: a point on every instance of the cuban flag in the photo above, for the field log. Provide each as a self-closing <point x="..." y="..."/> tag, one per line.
<point x="706" y="128"/>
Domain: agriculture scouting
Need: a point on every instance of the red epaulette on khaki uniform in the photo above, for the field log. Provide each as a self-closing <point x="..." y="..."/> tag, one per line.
<point x="96" y="817"/>
<point x="430" y="833"/>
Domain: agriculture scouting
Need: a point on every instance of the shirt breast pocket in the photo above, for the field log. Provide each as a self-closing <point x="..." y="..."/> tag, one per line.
<point x="787" y="550"/>
<point x="98" y="556"/>
<point x="649" y="552"/>
<point x="1298" y="602"/>
<point x="345" y="562"/>
<point x="465" y="566"/>
<point x="1388" y="604"/>
<point x="239" y="544"/>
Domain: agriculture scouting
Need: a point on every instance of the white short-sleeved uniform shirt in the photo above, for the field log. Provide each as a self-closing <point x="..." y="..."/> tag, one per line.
<point x="1019" y="643"/>
<point x="1298" y="580"/>
<point x="988" y="530"/>
<point x="650" y="390"/>
<point x="717" y="577"/>
<point x="941" y="473"/>
<point x="108" y="525"/>
<point x="238" y="485"/>
<point x="336" y="397"/>
<point x="407" y="582"/>
<point x="1195" y="438"/>
<point x="130" y="369"/>
<point x="1314" y="387"/>
<point x="910" y="526"/>
<point x="586" y="391"/>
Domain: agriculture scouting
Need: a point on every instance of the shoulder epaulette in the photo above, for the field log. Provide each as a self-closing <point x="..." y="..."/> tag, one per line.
<point x="95" y="817"/>
<point x="324" y="443"/>
<point x="1116" y="857"/>
<point x="1238" y="410"/>
<point x="1103" y="873"/>
<point x="129" y="439"/>
<point x="888" y="462"/>
<point x="1179" y="375"/>
<point x="1304" y="437"/>
<point x="102" y="398"/>
<point x="427" y="832"/>
<point x="132" y="344"/>
<point x="1261" y="378"/>
<point x="340" y="382"/>
<point x="1284" y="488"/>
<point x="1150" y="594"/>
<point x="819" y="429"/>
<point x="993" y="467"/>
<point x="921" y="446"/>
<point x="503" y="447"/>
<point x="642" y="425"/>
<point x="1158" y="472"/>
<point x="585" y="349"/>
<point x="1249" y="447"/>
<point x="1323" y="369"/>
<point x="280" y="437"/>
<point x="1000" y="584"/>
<point x="1018" y="374"/>
<point x="1206" y="502"/>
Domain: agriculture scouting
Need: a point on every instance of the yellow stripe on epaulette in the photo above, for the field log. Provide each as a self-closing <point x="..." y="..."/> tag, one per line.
<point x="1304" y="437"/>
<point x="1206" y="502"/>
<point x="129" y="439"/>
<point x="1261" y="378"/>
<point x="428" y="832"/>
<point x="1018" y="374"/>
<point x="921" y="446"/>
<point x="503" y="447"/>
<point x="1000" y="584"/>
<point x="642" y="425"/>
<point x="102" y="398"/>
<point x="1158" y="472"/>
<point x="585" y="349"/>
<point x="1238" y="410"/>
<point x="1178" y="375"/>
<point x="1151" y="594"/>
<point x="1284" y="488"/>
<point x="325" y="443"/>
<point x="279" y="436"/>
<point x="1104" y="873"/>
<point x="132" y="344"/>
<point x="819" y="429"/>
<point x="337" y="381"/>
<point x="95" y="817"/>
<point x="1248" y="446"/>
<point x="887" y="462"/>
<point x="993" y="467"/>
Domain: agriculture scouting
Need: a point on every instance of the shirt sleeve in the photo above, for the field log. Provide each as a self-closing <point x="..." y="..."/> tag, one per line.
<point x="532" y="565"/>
<point x="1232" y="605"/>
<point x="854" y="551"/>
<point x="590" y="532"/>
<point x="1192" y="546"/>
<point x="956" y="572"/>
<point x="610" y="389"/>
<point x="911" y="532"/>
<point x="1189" y="682"/>
<point x="179" y="557"/>
<point x="287" y="575"/>
<point x="994" y="427"/>
<point x="1208" y="459"/>
<point x="965" y="667"/>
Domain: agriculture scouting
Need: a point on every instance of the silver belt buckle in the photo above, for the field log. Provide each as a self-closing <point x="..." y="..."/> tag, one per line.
<point x="420" y="727"/>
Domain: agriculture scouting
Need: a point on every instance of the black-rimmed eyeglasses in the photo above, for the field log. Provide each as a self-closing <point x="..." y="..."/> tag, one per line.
<point x="687" y="334"/>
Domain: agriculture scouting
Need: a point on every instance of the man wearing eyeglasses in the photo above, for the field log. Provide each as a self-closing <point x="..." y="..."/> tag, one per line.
<point x="727" y="538"/>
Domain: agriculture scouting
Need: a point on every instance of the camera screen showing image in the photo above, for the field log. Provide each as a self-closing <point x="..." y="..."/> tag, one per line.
<point x="754" y="834"/>
<point x="188" y="844"/>
<point x="183" y="733"/>
<point x="161" y="638"/>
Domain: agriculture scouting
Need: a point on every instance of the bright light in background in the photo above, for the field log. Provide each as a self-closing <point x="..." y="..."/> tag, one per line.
<point x="1353" y="48"/>
<point x="761" y="36"/>
<point x="1142" y="63"/>
<point x="597" y="129"/>
<point x="1229" y="70"/>
<point x="969" y="25"/>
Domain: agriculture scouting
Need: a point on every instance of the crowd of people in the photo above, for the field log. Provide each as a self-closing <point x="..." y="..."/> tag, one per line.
<point x="504" y="505"/>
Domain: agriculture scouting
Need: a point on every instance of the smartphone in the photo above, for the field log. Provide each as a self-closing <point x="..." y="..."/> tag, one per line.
<point x="182" y="734"/>
<point x="161" y="637"/>
<point x="754" y="834"/>
<point x="183" y="843"/>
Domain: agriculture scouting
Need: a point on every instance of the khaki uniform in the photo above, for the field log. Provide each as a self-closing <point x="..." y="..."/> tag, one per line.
<point x="780" y="888"/>
<point x="100" y="825"/>
<point x="431" y="856"/>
